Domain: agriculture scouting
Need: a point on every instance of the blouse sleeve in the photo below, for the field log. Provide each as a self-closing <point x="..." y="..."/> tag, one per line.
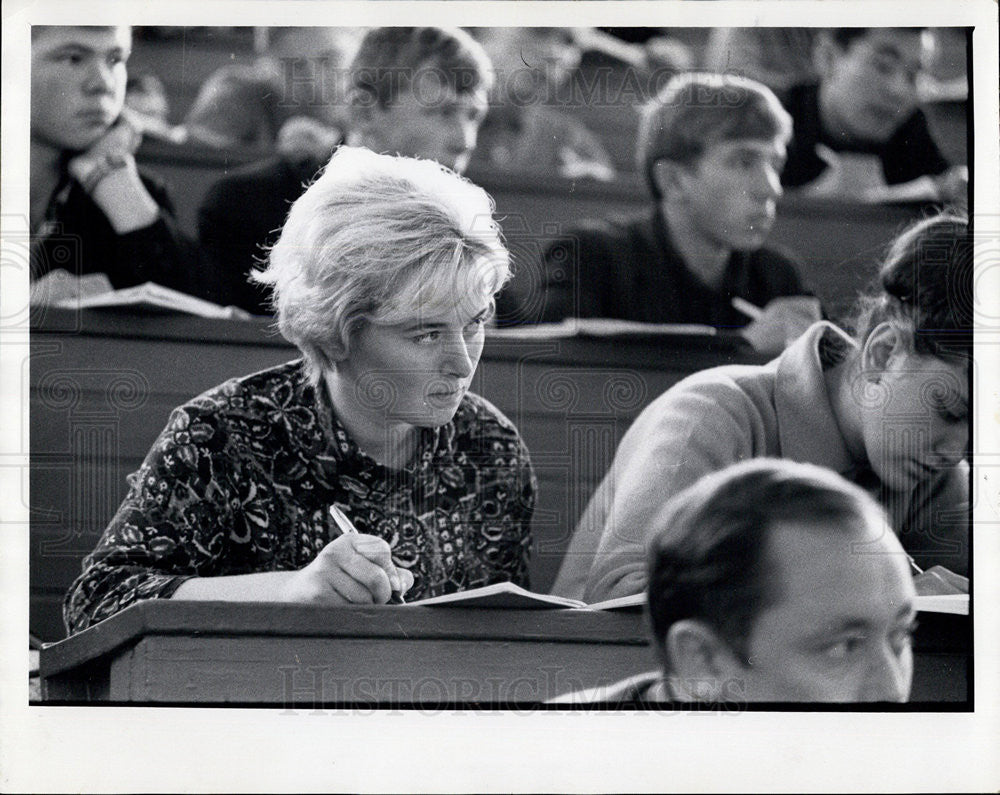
<point x="171" y="526"/>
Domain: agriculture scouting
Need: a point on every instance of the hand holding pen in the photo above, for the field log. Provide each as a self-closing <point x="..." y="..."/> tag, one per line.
<point x="354" y="568"/>
<point x="347" y="528"/>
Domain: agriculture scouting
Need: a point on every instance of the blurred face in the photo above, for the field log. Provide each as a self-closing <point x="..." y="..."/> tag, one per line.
<point x="527" y="60"/>
<point x="868" y="89"/>
<point x="730" y="193"/>
<point x="917" y="419"/>
<point x="429" y="120"/>
<point x="77" y="84"/>
<point x="841" y="628"/>
<point x="323" y="52"/>
<point x="415" y="373"/>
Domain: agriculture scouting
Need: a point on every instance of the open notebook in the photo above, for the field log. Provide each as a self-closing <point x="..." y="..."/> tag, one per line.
<point x="510" y="596"/>
<point x="152" y="297"/>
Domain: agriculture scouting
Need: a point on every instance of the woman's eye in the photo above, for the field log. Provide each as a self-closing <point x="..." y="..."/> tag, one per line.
<point x="475" y="325"/>
<point x="427" y="337"/>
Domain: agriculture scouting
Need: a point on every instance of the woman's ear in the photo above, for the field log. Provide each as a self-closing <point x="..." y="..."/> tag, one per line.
<point x="698" y="660"/>
<point x="883" y="343"/>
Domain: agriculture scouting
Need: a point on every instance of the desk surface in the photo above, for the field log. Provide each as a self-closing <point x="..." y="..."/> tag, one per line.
<point x="166" y="651"/>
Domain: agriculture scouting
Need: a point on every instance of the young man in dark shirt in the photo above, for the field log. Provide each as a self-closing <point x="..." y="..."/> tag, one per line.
<point x="92" y="211"/>
<point x="859" y="127"/>
<point x="712" y="148"/>
<point x="420" y="92"/>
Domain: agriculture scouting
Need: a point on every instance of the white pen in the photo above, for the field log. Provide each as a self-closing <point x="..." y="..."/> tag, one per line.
<point x="347" y="528"/>
<point x="752" y="311"/>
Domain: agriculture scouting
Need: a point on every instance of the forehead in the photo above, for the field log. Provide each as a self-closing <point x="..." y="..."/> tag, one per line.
<point x="857" y="571"/>
<point x="50" y="38"/>
<point x="430" y="88"/>
<point x="314" y="42"/>
<point x="773" y="147"/>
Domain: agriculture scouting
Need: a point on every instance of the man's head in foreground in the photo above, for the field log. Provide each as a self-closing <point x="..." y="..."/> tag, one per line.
<point x="776" y="581"/>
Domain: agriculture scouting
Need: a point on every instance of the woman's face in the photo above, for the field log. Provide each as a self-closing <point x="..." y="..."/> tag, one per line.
<point x="417" y="371"/>
<point x="915" y="418"/>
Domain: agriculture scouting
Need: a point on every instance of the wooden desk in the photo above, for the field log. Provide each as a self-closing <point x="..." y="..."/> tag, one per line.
<point x="282" y="654"/>
<point x="102" y="385"/>
<point x="285" y="655"/>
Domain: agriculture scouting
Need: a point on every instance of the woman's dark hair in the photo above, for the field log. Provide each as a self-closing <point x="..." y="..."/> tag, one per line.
<point x="925" y="288"/>
<point x="709" y="560"/>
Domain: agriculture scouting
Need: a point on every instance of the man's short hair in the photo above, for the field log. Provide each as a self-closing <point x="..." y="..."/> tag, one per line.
<point x="709" y="559"/>
<point x="392" y="59"/>
<point x="696" y="110"/>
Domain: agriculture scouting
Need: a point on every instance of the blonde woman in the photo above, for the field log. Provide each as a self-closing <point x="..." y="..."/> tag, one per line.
<point x="384" y="278"/>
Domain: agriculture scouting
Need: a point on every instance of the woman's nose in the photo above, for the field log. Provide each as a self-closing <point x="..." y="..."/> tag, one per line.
<point x="458" y="359"/>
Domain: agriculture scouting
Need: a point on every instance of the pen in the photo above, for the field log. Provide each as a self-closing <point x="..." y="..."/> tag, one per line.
<point x="914" y="566"/>
<point x="750" y="310"/>
<point x="347" y="528"/>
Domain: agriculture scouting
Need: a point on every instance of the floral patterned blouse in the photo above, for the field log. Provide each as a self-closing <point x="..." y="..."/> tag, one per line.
<point x="242" y="478"/>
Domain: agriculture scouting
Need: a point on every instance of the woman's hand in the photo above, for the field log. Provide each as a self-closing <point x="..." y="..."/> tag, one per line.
<point x="351" y="569"/>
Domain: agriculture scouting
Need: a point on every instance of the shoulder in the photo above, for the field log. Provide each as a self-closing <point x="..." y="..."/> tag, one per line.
<point x="260" y="393"/>
<point x="631" y="691"/>
<point x="715" y="405"/>
<point x="617" y="229"/>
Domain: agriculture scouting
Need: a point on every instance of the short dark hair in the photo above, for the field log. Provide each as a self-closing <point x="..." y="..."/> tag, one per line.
<point x="844" y="36"/>
<point x="388" y="59"/>
<point x="925" y="288"/>
<point x="709" y="559"/>
<point x="695" y="110"/>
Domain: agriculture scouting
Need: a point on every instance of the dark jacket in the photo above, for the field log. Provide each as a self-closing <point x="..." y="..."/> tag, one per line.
<point x="628" y="269"/>
<point x="240" y="217"/>
<point x="77" y="236"/>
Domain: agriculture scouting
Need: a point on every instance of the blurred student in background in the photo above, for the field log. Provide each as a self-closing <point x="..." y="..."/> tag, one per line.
<point x="524" y="131"/>
<point x="419" y="92"/>
<point x="712" y="148"/>
<point x="92" y="210"/>
<point x="773" y="581"/>
<point x="887" y="408"/>
<point x="859" y="128"/>
<point x="301" y="74"/>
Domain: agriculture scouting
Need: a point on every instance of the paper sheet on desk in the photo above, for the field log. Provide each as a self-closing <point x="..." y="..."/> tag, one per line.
<point x="153" y="297"/>
<point x="954" y="603"/>
<point x="600" y="327"/>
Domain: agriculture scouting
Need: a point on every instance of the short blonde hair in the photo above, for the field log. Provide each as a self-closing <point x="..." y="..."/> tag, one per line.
<point x="383" y="239"/>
